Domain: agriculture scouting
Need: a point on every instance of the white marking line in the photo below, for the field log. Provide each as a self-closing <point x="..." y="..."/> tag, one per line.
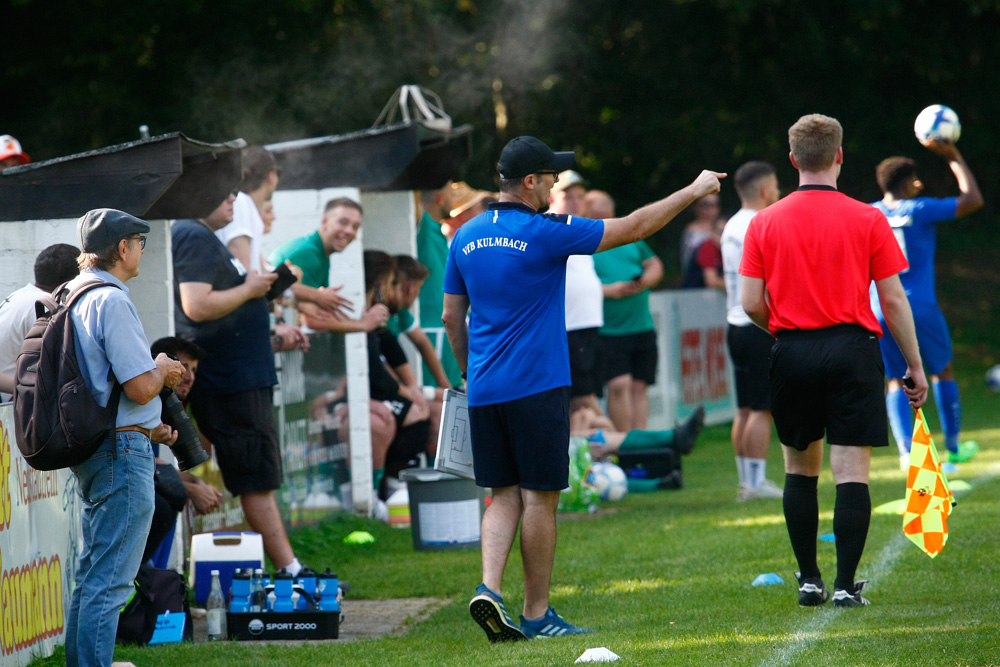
<point x="808" y="631"/>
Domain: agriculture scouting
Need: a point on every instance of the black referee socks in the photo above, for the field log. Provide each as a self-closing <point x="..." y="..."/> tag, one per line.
<point x="802" y="519"/>
<point x="851" y="516"/>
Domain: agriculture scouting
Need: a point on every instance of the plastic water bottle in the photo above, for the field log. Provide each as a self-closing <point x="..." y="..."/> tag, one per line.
<point x="307" y="580"/>
<point x="283" y="582"/>
<point x="258" y="598"/>
<point x="216" y="606"/>
<point x="241" y="591"/>
<point x="327" y="589"/>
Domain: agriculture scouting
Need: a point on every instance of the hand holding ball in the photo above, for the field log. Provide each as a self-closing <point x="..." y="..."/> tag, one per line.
<point x="937" y="122"/>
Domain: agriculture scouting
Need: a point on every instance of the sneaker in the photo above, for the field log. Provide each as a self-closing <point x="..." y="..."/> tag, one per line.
<point x="686" y="434"/>
<point x="966" y="451"/>
<point x="812" y="592"/>
<point x="766" y="490"/>
<point x="550" y="625"/>
<point x="673" y="481"/>
<point x="488" y="611"/>
<point x="842" y="598"/>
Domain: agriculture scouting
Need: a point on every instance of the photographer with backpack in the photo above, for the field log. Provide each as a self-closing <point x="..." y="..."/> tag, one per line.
<point x="116" y="482"/>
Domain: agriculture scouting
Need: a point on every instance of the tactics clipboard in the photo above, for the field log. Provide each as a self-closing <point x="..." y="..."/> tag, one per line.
<point x="454" y="446"/>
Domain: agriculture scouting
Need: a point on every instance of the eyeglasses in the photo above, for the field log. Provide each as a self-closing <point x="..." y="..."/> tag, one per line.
<point x="546" y="171"/>
<point x="141" y="240"/>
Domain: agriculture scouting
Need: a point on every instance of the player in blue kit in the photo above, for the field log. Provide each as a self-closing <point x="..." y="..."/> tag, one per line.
<point x="914" y="222"/>
<point x="509" y="265"/>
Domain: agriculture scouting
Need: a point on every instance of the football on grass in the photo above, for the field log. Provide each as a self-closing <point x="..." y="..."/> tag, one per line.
<point x="937" y="122"/>
<point x="610" y="480"/>
<point x="993" y="378"/>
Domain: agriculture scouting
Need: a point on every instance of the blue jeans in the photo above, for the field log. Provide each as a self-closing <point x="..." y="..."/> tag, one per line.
<point x="117" y="498"/>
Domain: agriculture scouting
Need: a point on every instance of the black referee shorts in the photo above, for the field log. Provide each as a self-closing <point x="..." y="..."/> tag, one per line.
<point x="523" y="442"/>
<point x="750" y="350"/>
<point x="829" y="381"/>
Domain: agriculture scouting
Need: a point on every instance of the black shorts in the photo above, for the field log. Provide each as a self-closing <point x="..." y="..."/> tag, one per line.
<point x="586" y="366"/>
<point x="522" y="442"/>
<point x="632" y="354"/>
<point x="750" y="350"/>
<point x="244" y="437"/>
<point x="399" y="407"/>
<point x="829" y="381"/>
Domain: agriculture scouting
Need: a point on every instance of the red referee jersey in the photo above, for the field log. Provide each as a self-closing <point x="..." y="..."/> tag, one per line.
<point x="818" y="251"/>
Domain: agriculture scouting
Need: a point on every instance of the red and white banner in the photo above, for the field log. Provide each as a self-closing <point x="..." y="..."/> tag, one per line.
<point x="694" y="367"/>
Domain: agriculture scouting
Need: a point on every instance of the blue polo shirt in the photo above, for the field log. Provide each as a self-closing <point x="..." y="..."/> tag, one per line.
<point x="109" y="335"/>
<point x="511" y="263"/>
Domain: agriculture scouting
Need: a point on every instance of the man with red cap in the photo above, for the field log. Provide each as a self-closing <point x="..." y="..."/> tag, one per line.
<point x="11" y="154"/>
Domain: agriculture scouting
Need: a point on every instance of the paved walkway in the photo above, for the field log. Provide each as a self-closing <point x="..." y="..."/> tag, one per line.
<point x="363" y="619"/>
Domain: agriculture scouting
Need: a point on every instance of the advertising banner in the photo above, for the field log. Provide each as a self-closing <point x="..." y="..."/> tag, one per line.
<point x="39" y="538"/>
<point x="694" y="366"/>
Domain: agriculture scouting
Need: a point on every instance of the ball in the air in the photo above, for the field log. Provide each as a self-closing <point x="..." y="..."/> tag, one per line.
<point x="938" y="122"/>
<point x="993" y="378"/>
<point x="610" y="480"/>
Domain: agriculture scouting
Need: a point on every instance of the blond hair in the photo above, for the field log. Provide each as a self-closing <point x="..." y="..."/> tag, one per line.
<point x="814" y="140"/>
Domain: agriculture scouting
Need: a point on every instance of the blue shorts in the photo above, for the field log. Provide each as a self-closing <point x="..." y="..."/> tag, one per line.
<point x="932" y="336"/>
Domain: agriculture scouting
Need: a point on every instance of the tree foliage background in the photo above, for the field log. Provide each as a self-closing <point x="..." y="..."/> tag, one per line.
<point x="647" y="93"/>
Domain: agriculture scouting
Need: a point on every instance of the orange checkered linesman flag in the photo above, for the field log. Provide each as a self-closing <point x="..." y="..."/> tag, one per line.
<point x="928" y="497"/>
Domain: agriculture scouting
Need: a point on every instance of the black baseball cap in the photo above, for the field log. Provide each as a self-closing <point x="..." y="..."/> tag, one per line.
<point x="527" y="155"/>
<point x="104" y="227"/>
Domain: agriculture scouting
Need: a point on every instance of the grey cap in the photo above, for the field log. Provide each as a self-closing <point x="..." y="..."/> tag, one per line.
<point x="104" y="227"/>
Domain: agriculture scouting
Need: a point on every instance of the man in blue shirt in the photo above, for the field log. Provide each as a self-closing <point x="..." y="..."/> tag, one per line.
<point x="914" y="221"/>
<point x="116" y="483"/>
<point x="509" y="265"/>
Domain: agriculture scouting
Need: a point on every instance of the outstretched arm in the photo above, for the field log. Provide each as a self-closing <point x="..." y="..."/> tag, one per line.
<point x="651" y="218"/>
<point x="970" y="198"/>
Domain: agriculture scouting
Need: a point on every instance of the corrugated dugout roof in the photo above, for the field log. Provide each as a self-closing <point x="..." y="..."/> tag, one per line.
<point x="407" y="156"/>
<point x="163" y="177"/>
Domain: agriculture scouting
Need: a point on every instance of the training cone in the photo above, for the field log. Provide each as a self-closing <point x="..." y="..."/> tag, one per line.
<point x="600" y="654"/>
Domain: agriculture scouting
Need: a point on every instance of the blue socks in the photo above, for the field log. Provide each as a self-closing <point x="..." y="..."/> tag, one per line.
<point x="900" y="419"/>
<point x="950" y="411"/>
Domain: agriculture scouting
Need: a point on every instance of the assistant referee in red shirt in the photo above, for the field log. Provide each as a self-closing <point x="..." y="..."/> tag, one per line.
<point x="808" y="261"/>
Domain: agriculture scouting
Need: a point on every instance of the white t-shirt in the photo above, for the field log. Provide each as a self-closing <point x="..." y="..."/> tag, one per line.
<point x="584" y="294"/>
<point x="17" y="315"/>
<point x="246" y="222"/>
<point x="732" y="254"/>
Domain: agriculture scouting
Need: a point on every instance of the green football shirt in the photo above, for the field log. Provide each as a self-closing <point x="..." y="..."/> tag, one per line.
<point x="630" y="315"/>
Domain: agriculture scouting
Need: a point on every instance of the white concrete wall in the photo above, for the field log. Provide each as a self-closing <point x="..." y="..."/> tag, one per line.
<point x="151" y="291"/>
<point x="391" y="222"/>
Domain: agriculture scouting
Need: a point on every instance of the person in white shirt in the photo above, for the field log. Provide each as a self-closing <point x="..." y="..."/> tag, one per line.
<point x="243" y="235"/>
<point x="53" y="266"/>
<point x="584" y="301"/>
<point x="749" y="346"/>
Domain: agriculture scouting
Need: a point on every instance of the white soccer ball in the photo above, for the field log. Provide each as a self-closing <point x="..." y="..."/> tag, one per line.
<point x="993" y="378"/>
<point x="938" y="122"/>
<point x="610" y="480"/>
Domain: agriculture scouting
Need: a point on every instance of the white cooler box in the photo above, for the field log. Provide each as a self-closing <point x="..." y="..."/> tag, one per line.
<point x="225" y="552"/>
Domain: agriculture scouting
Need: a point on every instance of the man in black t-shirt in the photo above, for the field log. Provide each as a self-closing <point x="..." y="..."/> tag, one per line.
<point x="220" y="306"/>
